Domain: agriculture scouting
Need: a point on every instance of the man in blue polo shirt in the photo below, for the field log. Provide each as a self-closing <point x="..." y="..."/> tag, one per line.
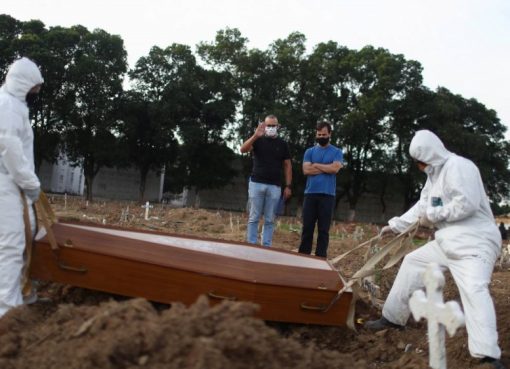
<point x="321" y="163"/>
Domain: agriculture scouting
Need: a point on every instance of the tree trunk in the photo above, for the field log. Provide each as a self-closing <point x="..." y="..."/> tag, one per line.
<point x="196" y="203"/>
<point x="89" y="181"/>
<point x="382" y="193"/>
<point x="89" y="171"/>
<point x="352" y="215"/>
<point x="353" y="201"/>
<point x="143" y="181"/>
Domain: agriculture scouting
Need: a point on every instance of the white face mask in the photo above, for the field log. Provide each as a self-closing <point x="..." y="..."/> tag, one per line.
<point x="271" y="131"/>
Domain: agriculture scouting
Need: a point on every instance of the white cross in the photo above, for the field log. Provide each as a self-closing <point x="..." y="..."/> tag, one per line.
<point x="124" y="214"/>
<point x="438" y="314"/>
<point x="147" y="206"/>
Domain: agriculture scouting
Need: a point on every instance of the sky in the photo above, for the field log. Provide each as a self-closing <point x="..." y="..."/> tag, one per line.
<point x="463" y="45"/>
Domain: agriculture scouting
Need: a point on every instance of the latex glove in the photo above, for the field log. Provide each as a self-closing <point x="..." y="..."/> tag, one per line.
<point x="33" y="194"/>
<point x="386" y="230"/>
<point x="425" y="222"/>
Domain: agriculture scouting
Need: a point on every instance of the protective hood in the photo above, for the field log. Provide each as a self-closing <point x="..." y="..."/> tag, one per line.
<point x="428" y="148"/>
<point x="23" y="74"/>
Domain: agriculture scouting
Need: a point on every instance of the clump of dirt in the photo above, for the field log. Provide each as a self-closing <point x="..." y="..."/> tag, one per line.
<point x="132" y="334"/>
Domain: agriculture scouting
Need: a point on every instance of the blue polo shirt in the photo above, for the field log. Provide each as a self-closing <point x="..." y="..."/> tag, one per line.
<point x="323" y="183"/>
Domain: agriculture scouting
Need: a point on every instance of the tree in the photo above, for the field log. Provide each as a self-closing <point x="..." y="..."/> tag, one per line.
<point x="466" y="127"/>
<point x="409" y="114"/>
<point x="376" y="81"/>
<point x="10" y="29"/>
<point x="149" y="142"/>
<point x="94" y="86"/>
<point x="469" y="129"/>
<point x="197" y="105"/>
<point x="153" y="78"/>
<point x="53" y="51"/>
<point x="206" y="102"/>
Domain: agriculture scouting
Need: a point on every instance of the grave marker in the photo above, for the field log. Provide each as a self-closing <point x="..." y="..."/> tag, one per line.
<point x="147" y="206"/>
<point x="440" y="316"/>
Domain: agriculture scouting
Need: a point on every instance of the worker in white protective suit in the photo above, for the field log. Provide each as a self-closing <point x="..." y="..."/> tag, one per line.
<point x="17" y="175"/>
<point x="467" y="242"/>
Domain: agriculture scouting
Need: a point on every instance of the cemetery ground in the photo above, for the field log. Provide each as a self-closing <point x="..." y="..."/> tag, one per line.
<point x="76" y="328"/>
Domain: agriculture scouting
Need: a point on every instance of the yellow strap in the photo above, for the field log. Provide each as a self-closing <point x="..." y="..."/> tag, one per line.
<point x="48" y="218"/>
<point x="370" y="242"/>
<point x="397" y="248"/>
<point x="45" y="206"/>
<point x="26" y="283"/>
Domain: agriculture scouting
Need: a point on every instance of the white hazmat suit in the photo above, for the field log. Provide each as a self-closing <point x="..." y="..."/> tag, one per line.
<point x="16" y="172"/>
<point x="467" y="241"/>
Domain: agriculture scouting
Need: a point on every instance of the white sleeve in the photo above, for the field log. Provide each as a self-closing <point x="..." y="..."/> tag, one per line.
<point x="14" y="160"/>
<point x="464" y="187"/>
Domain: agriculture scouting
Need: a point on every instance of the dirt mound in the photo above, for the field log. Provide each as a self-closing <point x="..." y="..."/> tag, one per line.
<point x="80" y="328"/>
<point x="132" y="334"/>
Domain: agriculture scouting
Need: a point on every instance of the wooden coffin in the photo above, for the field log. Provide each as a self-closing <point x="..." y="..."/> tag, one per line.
<point x="165" y="268"/>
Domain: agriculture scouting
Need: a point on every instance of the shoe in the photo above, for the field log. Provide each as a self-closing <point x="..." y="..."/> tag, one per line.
<point x="496" y="363"/>
<point x="380" y="324"/>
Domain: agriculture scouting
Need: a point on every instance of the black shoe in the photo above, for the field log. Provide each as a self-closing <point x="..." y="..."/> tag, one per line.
<point x="380" y="324"/>
<point x="496" y="363"/>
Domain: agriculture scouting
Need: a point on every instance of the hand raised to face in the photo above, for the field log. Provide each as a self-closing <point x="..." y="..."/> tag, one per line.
<point x="261" y="129"/>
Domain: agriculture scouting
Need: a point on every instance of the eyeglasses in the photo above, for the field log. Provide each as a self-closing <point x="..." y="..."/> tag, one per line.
<point x="271" y="125"/>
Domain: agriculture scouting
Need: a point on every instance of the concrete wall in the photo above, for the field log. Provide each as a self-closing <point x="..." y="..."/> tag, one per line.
<point x="235" y="196"/>
<point x="369" y="209"/>
<point x="112" y="183"/>
<point x="124" y="184"/>
<point x="61" y="177"/>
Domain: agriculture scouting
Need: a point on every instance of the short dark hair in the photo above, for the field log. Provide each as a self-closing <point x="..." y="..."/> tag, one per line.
<point x="271" y="116"/>
<point x="322" y="124"/>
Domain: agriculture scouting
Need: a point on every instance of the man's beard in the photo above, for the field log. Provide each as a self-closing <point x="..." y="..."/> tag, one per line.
<point x="31" y="99"/>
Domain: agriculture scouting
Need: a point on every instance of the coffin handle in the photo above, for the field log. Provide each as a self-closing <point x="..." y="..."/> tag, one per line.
<point x="320" y="307"/>
<point x="72" y="269"/>
<point x="216" y="296"/>
<point x="61" y="265"/>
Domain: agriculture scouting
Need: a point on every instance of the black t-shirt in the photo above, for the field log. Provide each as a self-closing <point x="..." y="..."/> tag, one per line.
<point x="268" y="156"/>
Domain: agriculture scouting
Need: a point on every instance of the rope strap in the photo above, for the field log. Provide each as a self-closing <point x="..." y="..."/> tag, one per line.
<point x="397" y="248"/>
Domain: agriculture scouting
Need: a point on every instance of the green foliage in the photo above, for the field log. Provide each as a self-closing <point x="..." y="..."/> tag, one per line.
<point x="10" y="29"/>
<point x="500" y="209"/>
<point x="196" y="105"/>
<point x="146" y="138"/>
<point x="92" y="92"/>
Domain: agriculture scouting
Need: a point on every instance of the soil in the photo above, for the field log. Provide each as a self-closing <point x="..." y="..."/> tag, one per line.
<point x="75" y="328"/>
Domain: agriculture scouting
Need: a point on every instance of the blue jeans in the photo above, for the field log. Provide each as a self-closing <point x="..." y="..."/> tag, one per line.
<point x="263" y="201"/>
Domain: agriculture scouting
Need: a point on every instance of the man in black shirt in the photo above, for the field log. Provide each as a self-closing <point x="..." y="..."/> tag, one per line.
<point x="270" y="156"/>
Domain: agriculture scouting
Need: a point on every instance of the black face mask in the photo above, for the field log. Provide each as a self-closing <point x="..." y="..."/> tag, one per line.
<point x="323" y="141"/>
<point x="31" y="99"/>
